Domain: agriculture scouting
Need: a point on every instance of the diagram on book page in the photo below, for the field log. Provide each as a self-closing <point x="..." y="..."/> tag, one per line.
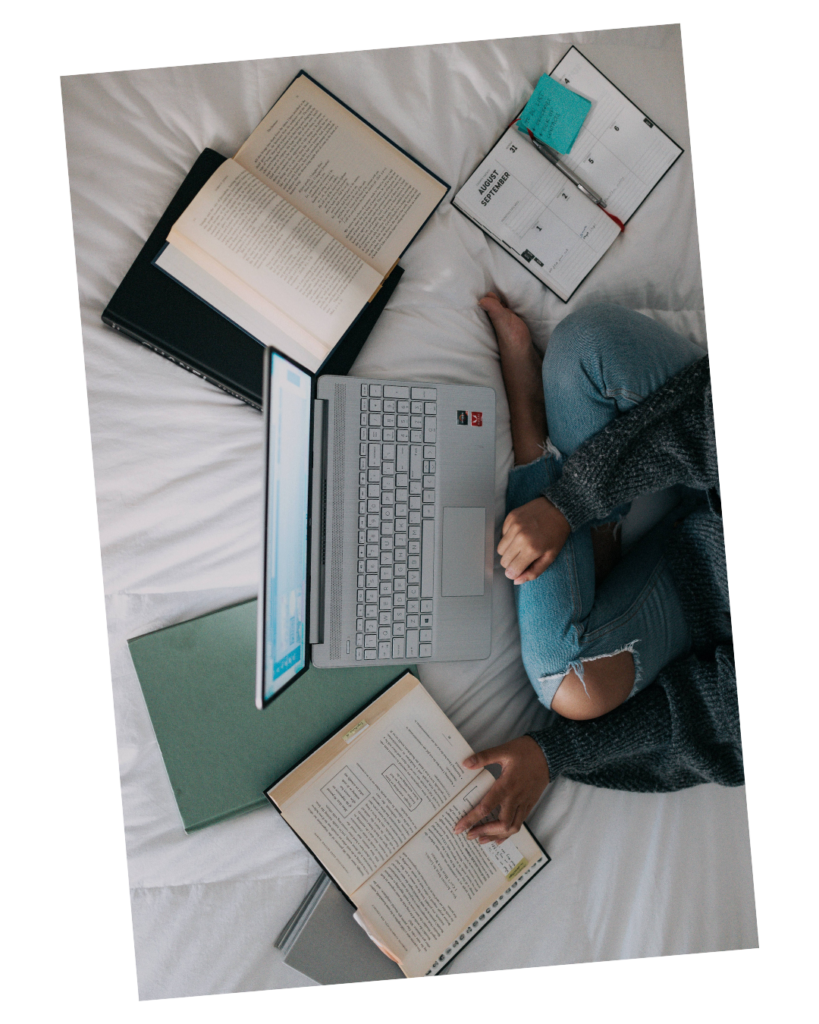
<point x="385" y="785"/>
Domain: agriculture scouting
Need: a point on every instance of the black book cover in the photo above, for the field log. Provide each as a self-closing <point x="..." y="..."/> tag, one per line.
<point x="152" y="308"/>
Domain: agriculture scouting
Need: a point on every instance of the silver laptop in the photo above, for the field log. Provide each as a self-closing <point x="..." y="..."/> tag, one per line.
<point x="378" y="523"/>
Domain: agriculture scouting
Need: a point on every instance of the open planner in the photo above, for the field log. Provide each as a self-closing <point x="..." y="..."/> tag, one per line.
<point x="537" y="214"/>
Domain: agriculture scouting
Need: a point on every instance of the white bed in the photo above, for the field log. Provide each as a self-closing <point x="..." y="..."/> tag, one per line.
<point x="177" y="469"/>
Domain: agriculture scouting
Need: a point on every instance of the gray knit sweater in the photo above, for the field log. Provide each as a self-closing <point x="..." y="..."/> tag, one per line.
<point x="683" y="729"/>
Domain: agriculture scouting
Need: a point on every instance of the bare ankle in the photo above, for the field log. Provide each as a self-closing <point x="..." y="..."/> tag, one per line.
<point x="521" y="366"/>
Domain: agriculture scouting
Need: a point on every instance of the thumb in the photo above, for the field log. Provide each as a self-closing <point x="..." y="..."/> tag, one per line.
<point x="536" y="568"/>
<point x="494" y="755"/>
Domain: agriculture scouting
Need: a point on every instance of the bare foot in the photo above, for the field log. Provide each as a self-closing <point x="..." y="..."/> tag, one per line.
<point x="521" y="367"/>
<point x="509" y="328"/>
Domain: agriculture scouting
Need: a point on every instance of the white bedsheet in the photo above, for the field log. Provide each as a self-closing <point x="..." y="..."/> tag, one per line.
<point x="178" y="472"/>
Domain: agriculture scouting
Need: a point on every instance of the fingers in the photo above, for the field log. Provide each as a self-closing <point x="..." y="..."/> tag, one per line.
<point x="523" y="540"/>
<point x="493" y="796"/>
<point x="519" y="561"/>
<point x="535" y="569"/>
<point x="480" y="811"/>
<point x="498" y="830"/>
<point x="469" y="821"/>
<point x="532" y="538"/>
<point x="522" y="560"/>
<point x="524" y="776"/>
<point x="516" y="550"/>
<point x="499" y="833"/>
<point x="475" y="824"/>
<point x="492" y="755"/>
<point x="510" y="540"/>
<point x="509" y="530"/>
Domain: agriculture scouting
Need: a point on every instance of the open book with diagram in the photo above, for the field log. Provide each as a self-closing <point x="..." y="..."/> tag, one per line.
<point x="377" y="803"/>
<point x="535" y="212"/>
<point x="292" y="238"/>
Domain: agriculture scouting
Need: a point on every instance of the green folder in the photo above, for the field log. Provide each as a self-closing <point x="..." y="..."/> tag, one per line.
<point x="220" y="752"/>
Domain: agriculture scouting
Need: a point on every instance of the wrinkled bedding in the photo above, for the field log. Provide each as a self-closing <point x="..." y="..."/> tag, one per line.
<point x="177" y="466"/>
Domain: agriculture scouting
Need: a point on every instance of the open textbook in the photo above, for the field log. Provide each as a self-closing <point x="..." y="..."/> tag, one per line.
<point x="537" y="214"/>
<point x="377" y="804"/>
<point x="292" y="237"/>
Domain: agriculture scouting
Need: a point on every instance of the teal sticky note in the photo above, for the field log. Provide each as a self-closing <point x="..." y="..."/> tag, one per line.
<point x="554" y="114"/>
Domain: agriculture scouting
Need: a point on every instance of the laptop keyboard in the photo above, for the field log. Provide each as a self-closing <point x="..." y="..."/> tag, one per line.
<point x="396" y="522"/>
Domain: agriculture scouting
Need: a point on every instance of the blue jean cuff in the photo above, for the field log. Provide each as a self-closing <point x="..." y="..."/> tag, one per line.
<point x="530" y="481"/>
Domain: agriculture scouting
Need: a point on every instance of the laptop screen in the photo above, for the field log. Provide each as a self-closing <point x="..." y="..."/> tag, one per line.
<point x="285" y="572"/>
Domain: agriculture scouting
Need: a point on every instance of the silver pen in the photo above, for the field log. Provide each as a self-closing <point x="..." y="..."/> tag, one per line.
<point x="554" y="158"/>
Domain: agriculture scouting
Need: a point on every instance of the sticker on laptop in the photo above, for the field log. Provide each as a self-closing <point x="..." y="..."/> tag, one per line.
<point x="464" y="418"/>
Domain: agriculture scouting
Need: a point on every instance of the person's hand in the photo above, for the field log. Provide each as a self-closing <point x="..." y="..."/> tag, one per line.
<point x="533" y="536"/>
<point x="524" y="776"/>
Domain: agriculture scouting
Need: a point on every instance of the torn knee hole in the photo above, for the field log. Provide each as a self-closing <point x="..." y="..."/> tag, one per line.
<point x="593" y="686"/>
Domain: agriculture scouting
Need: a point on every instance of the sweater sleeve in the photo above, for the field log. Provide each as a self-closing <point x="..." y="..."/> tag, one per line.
<point x="681" y="731"/>
<point x="668" y="439"/>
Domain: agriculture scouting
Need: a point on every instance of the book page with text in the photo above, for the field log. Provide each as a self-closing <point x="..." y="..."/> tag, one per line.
<point x="264" y="241"/>
<point x="619" y="152"/>
<point x="441" y="888"/>
<point x="341" y="173"/>
<point x="384" y="781"/>
<point x="240" y="303"/>
<point x="536" y="213"/>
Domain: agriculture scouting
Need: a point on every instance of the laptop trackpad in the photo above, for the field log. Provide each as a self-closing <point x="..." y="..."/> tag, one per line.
<point x="464" y="542"/>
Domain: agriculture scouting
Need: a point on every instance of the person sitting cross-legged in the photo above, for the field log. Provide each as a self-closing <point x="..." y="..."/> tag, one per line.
<point x="621" y="406"/>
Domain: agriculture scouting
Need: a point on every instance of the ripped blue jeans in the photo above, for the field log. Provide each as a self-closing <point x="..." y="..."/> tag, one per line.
<point x="600" y="362"/>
